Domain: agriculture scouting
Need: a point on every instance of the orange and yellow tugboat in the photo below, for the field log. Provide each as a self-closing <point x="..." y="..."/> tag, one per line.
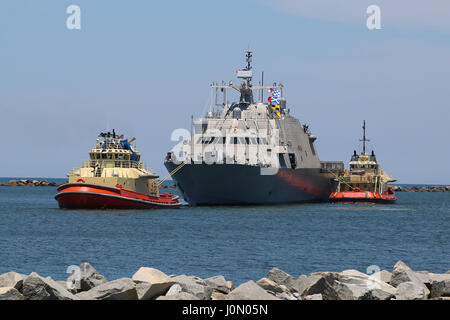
<point x="114" y="178"/>
<point x="365" y="181"/>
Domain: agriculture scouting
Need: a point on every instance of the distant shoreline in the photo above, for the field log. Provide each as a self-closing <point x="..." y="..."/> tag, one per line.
<point x="47" y="183"/>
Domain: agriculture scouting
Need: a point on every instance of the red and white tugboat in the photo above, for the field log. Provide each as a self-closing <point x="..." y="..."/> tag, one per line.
<point x="365" y="181"/>
<point x="114" y="178"/>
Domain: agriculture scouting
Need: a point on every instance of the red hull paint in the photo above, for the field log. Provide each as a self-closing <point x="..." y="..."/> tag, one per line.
<point x="89" y="196"/>
<point x="363" y="196"/>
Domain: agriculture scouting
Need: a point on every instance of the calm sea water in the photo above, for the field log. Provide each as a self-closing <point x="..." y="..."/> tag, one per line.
<point x="241" y="243"/>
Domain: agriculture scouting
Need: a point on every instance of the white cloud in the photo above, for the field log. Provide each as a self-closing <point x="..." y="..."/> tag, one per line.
<point x="416" y="14"/>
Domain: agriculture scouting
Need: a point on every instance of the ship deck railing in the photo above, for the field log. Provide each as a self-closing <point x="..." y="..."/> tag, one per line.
<point x="115" y="163"/>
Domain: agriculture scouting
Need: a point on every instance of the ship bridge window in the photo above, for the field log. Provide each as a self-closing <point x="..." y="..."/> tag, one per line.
<point x="242" y="140"/>
<point x="253" y="140"/>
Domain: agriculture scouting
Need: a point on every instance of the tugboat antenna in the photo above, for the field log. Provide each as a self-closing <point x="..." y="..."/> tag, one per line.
<point x="364" y="137"/>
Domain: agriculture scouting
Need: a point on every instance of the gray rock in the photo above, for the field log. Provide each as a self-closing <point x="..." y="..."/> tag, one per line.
<point x="271" y="286"/>
<point x="250" y="291"/>
<point x="120" y="289"/>
<point x="69" y="286"/>
<point x="410" y="291"/>
<point x="218" y="295"/>
<point x="402" y="273"/>
<point x="143" y="290"/>
<point x="317" y="283"/>
<point x="217" y="283"/>
<point x="317" y="296"/>
<point x="36" y="287"/>
<point x="174" y="289"/>
<point x="440" y="286"/>
<point x="179" y="296"/>
<point x="12" y="279"/>
<point x="158" y="280"/>
<point x="440" y="298"/>
<point x="382" y="275"/>
<point x="282" y="278"/>
<point x="189" y="285"/>
<point x="88" y="277"/>
<point x="285" y="296"/>
<point x="355" y="285"/>
<point x="10" y="293"/>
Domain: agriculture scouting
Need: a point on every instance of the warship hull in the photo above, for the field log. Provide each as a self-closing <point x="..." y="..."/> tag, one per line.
<point x="225" y="184"/>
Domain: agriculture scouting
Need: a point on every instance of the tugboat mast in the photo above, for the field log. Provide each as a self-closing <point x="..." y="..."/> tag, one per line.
<point x="364" y="137"/>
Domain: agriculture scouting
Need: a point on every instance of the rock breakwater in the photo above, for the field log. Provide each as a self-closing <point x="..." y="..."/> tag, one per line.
<point x="421" y="189"/>
<point x="86" y="283"/>
<point x="29" y="183"/>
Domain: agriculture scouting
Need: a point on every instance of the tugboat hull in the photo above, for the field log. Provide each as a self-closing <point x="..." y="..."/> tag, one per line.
<point x="90" y="196"/>
<point x="352" y="196"/>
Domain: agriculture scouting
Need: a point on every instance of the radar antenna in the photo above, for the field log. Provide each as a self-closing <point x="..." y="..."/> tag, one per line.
<point x="246" y="75"/>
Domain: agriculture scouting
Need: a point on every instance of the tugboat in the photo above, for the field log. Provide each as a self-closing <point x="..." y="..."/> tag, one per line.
<point x="113" y="178"/>
<point x="365" y="181"/>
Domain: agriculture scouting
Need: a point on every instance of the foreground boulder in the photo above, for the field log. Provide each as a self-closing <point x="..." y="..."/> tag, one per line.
<point x="271" y="286"/>
<point x="402" y="273"/>
<point x="36" y="287"/>
<point x="440" y="286"/>
<point x="383" y="275"/>
<point x="355" y="285"/>
<point x="194" y="287"/>
<point x="250" y="291"/>
<point x="317" y="283"/>
<point x="10" y="293"/>
<point x="174" y="289"/>
<point x="218" y="283"/>
<point x="89" y="277"/>
<point x="120" y="289"/>
<point x="179" y="296"/>
<point x="151" y="283"/>
<point x="410" y="291"/>
<point x="282" y="278"/>
<point x="12" y="279"/>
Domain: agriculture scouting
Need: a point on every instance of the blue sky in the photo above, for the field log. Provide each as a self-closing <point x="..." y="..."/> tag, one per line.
<point x="144" y="68"/>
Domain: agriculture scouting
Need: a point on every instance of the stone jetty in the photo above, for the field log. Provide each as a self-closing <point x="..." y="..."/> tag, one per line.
<point x="421" y="189"/>
<point x="29" y="183"/>
<point x="86" y="283"/>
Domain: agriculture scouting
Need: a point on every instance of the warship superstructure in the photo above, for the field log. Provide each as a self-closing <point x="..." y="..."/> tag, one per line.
<point x="250" y="152"/>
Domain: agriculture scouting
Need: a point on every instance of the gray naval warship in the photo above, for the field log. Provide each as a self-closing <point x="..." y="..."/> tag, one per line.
<point x="250" y="152"/>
